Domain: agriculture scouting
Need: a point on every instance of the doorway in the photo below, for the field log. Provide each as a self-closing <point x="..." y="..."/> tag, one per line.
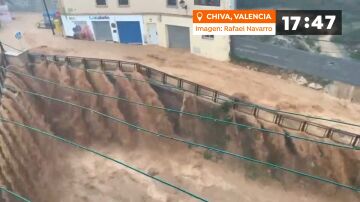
<point x="152" y="34"/>
<point x="179" y="37"/>
<point x="129" y="32"/>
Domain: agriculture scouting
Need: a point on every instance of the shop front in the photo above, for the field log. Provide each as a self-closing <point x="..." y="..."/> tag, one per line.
<point x="121" y="28"/>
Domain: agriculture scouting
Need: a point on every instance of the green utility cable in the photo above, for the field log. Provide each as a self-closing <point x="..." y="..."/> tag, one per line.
<point x="230" y="101"/>
<point x="54" y="136"/>
<point x="3" y="189"/>
<point x="195" y="144"/>
<point x="181" y="112"/>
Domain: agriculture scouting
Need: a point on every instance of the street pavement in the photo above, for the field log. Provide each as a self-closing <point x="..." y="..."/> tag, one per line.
<point x="326" y="67"/>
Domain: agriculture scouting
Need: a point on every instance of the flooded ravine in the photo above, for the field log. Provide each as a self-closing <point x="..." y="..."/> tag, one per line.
<point x="44" y="169"/>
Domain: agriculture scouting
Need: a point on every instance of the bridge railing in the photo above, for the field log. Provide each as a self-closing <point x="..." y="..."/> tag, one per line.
<point x="3" y="63"/>
<point x="261" y="113"/>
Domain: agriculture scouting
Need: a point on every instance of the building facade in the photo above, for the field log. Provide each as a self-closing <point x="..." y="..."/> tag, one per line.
<point x="5" y="15"/>
<point x="167" y="23"/>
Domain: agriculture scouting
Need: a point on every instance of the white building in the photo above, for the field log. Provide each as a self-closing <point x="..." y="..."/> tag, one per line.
<point x="5" y="15"/>
<point x="167" y="23"/>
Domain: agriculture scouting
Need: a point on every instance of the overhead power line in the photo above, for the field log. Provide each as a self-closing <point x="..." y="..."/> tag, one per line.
<point x="233" y="102"/>
<point x="74" y="144"/>
<point x="238" y="156"/>
<point x="16" y="195"/>
<point x="84" y="91"/>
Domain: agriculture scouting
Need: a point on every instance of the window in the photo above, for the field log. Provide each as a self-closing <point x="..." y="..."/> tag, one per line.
<point x="208" y="37"/>
<point x="207" y="2"/>
<point x="101" y="2"/>
<point x="123" y="2"/>
<point x="171" y="2"/>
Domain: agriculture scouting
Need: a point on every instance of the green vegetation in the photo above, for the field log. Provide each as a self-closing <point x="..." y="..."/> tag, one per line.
<point x="355" y="55"/>
<point x="310" y="42"/>
<point x="226" y="106"/>
<point x="208" y="155"/>
<point x="318" y="49"/>
<point x="218" y="136"/>
<point x="264" y="38"/>
<point x="350" y="37"/>
<point x="337" y="39"/>
<point x="300" y="46"/>
<point x="222" y="111"/>
<point x="255" y="172"/>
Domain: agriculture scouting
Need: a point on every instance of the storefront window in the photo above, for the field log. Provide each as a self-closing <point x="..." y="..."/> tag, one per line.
<point x="207" y="2"/>
<point x="82" y="31"/>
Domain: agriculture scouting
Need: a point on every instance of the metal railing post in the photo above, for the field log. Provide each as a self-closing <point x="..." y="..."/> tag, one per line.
<point x="215" y="98"/>
<point x="328" y="133"/>
<point x="235" y="105"/>
<point x="356" y="140"/>
<point x="303" y="126"/>
<point x="84" y="62"/>
<point x="164" y="78"/>
<point x="180" y="83"/>
<point x="137" y="67"/>
<point x="3" y="70"/>
<point x="197" y="89"/>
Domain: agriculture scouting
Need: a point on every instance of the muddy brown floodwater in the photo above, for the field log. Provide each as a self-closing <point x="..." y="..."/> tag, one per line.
<point x="43" y="169"/>
<point x="260" y="88"/>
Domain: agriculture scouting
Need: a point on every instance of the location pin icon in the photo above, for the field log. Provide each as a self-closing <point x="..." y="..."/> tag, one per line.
<point x="199" y="15"/>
